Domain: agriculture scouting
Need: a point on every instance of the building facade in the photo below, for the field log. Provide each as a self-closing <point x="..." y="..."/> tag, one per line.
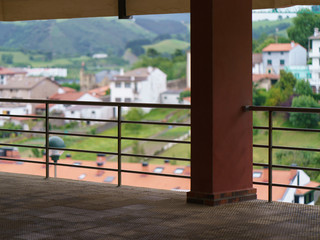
<point x="142" y="85"/>
<point x="277" y="56"/>
<point x="314" y="56"/>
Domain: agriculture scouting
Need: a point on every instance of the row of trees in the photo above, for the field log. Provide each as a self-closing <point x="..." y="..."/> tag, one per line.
<point x="289" y="91"/>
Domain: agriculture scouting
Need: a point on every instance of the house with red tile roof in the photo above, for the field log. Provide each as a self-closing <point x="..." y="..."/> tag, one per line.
<point x="265" y="80"/>
<point x="282" y="194"/>
<point x="276" y="56"/>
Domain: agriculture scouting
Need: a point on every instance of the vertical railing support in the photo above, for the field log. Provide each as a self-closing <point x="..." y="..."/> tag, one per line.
<point x="47" y="140"/>
<point x="270" y="158"/>
<point x="119" y="146"/>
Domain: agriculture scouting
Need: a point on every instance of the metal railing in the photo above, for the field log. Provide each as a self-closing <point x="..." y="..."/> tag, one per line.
<point x="119" y="136"/>
<point x="270" y="146"/>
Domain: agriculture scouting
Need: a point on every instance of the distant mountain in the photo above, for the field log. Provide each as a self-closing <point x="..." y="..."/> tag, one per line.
<point x="86" y="35"/>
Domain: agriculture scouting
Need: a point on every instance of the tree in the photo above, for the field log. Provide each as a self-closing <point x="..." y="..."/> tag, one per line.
<point x="303" y="27"/>
<point x="259" y="96"/>
<point x="134" y="114"/>
<point x="303" y="88"/>
<point x="262" y="45"/>
<point x="305" y="120"/>
<point x="7" y="58"/>
<point x="151" y="52"/>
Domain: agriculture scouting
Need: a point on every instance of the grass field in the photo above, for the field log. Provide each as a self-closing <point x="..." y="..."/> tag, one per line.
<point x="168" y="46"/>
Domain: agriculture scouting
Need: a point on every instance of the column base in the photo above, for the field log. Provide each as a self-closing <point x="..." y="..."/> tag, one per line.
<point x="215" y="199"/>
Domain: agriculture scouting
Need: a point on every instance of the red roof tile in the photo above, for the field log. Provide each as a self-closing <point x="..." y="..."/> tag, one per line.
<point x="280" y="47"/>
<point x="258" y="77"/>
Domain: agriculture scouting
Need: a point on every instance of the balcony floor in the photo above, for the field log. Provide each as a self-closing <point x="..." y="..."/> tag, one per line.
<point x="34" y="208"/>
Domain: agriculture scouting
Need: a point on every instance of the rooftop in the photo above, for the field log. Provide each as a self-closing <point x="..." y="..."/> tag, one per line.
<point x="23" y="82"/>
<point x="35" y="208"/>
<point x="280" y="47"/>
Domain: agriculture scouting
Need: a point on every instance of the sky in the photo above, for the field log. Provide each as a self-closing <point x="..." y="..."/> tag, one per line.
<point x="284" y="12"/>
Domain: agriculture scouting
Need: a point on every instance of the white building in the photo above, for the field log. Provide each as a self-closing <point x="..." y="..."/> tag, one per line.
<point x="143" y="85"/>
<point x="257" y="64"/>
<point x="88" y="111"/>
<point x="281" y="194"/>
<point x="278" y="55"/>
<point x="170" y="97"/>
<point x="314" y="55"/>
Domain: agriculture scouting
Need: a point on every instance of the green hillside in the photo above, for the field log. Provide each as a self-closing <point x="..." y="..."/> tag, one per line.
<point x="86" y="36"/>
<point x="269" y="27"/>
<point x="168" y="46"/>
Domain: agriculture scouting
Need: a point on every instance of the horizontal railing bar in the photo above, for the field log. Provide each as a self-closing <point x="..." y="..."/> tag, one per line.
<point x="83" y="166"/>
<point x="22" y="116"/>
<point x="156" y="157"/>
<point x="287" y="129"/>
<point x="83" y="119"/>
<point x="84" y="151"/>
<point x="260" y="164"/>
<point x="296" y="129"/>
<point x="21" y="160"/>
<point x="293" y="186"/>
<point x="297" y="148"/>
<point x="288" y="167"/>
<point x="281" y="109"/>
<point x="115" y="104"/>
<point x="155" y="174"/>
<point x="158" y="123"/>
<point x="82" y="135"/>
<point x="260" y="183"/>
<point x="260" y="146"/>
<point x="155" y="140"/>
<point x="20" y="130"/>
<point x="261" y="128"/>
<point x="19" y="145"/>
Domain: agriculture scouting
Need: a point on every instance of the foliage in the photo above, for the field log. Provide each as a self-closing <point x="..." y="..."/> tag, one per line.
<point x="11" y="126"/>
<point x="262" y="45"/>
<point x="174" y="66"/>
<point x="282" y="90"/>
<point x="137" y="149"/>
<point x="7" y="58"/>
<point x="305" y="120"/>
<point x="265" y="27"/>
<point x="303" y="27"/>
<point x="259" y="96"/>
<point x="74" y="85"/>
<point x="36" y="153"/>
<point x="303" y="88"/>
<point x="134" y="114"/>
<point x="184" y="94"/>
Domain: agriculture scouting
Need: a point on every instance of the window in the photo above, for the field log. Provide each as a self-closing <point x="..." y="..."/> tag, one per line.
<point x="77" y="163"/>
<point x="127" y="99"/>
<point x="281" y="53"/>
<point x="127" y="85"/>
<point x="269" y="53"/>
<point x="109" y="179"/>
<point x="82" y="176"/>
<point x="118" y="85"/>
<point x="158" y="170"/>
<point x="118" y="99"/>
<point x="309" y="197"/>
<point x="318" y="75"/>
<point x="281" y="61"/>
<point x="72" y="112"/>
<point x="257" y="174"/>
<point x="297" y="75"/>
<point x="296" y="199"/>
<point x="319" y="49"/>
<point x="309" y="75"/>
<point x="93" y="112"/>
<point x="178" y="171"/>
<point x="269" y="62"/>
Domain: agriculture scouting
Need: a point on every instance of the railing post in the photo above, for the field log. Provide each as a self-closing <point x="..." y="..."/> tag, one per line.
<point x="47" y="140"/>
<point x="119" y="146"/>
<point x="270" y="158"/>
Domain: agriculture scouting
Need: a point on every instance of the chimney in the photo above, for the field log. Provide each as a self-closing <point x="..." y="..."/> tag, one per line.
<point x="145" y="168"/>
<point x="166" y="162"/>
<point x="68" y="157"/>
<point x="316" y="32"/>
<point x="121" y="72"/>
<point x="101" y="158"/>
<point x="265" y="174"/>
<point x="292" y="44"/>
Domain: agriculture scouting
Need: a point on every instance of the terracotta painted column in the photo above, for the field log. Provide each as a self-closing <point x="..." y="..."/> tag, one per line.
<point x="221" y="151"/>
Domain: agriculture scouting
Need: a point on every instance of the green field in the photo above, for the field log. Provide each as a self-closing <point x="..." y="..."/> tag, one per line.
<point x="168" y="46"/>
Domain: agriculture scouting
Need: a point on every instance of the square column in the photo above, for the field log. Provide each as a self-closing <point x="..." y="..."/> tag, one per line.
<point x="221" y="150"/>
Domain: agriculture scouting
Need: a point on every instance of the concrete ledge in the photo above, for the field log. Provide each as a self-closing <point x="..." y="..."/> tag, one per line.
<point x="216" y="199"/>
